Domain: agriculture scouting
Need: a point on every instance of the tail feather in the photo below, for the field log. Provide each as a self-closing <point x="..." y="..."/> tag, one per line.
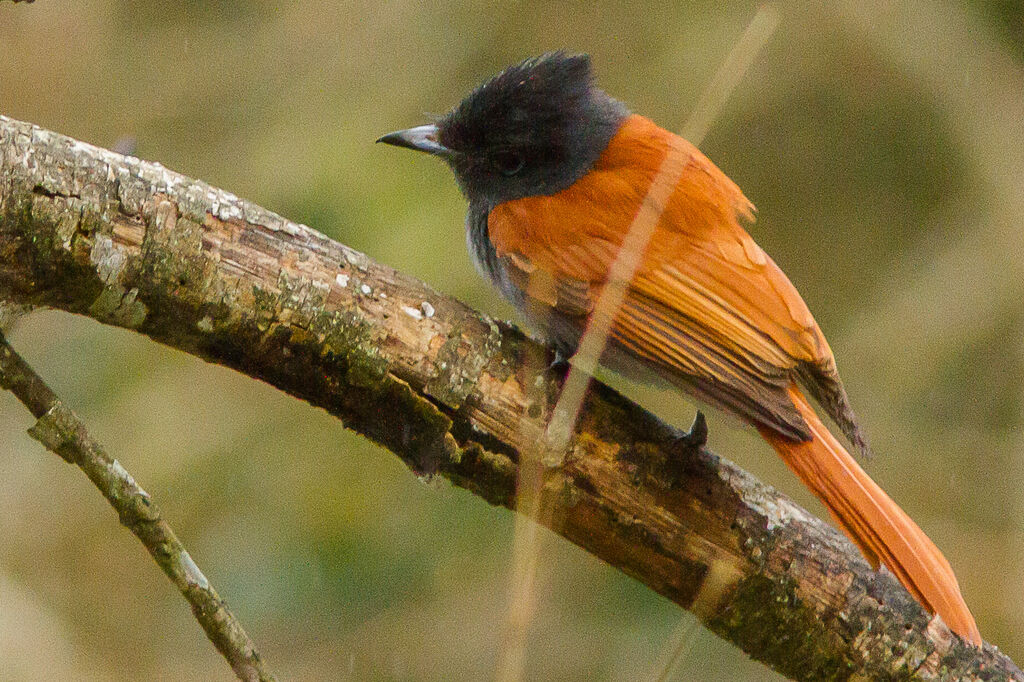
<point x="876" y="524"/>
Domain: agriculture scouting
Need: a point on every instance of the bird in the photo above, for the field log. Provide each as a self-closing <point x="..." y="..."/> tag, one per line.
<point x="554" y="171"/>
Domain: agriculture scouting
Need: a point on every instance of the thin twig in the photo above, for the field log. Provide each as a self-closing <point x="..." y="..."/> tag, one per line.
<point x="63" y="433"/>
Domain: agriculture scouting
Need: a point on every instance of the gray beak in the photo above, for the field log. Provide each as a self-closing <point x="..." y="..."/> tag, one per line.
<point x="420" y="138"/>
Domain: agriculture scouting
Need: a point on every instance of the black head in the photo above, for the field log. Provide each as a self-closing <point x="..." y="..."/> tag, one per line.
<point x="535" y="128"/>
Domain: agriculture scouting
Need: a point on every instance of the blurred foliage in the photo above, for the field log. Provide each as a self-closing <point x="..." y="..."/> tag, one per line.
<point x="1007" y="16"/>
<point x="876" y="193"/>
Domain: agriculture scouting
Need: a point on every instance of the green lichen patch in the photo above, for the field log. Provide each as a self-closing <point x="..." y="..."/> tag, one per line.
<point x="45" y="212"/>
<point x="264" y="307"/>
<point x="54" y="429"/>
<point x="450" y="385"/>
<point x="768" y="617"/>
<point x="116" y="306"/>
<point x="414" y="427"/>
<point x="459" y="363"/>
<point x="348" y="337"/>
<point x="490" y="475"/>
<point x="92" y="222"/>
<point x="172" y="253"/>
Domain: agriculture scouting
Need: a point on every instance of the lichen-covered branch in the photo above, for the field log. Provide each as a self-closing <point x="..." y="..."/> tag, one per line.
<point x="63" y="433"/>
<point x="450" y="391"/>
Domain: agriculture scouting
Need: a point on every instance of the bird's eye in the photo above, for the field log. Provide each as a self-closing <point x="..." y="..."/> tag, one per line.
<point x="509" y="163"/>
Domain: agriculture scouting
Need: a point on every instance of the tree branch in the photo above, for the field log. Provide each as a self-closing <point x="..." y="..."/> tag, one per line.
<point x="63" y="433"/>
<point x="448" y="390"/>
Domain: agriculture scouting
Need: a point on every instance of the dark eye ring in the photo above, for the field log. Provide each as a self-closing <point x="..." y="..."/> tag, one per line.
<point x="508" y="162"/>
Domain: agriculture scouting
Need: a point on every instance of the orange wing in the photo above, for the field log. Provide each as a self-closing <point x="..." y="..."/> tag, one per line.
<point x="707" y="307"/>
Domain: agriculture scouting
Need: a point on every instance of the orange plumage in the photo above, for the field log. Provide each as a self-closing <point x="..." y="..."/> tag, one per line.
<point x="710" y="311"/>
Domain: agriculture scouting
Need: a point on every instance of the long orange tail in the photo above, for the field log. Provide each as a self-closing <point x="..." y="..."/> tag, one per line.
<point x="873" y="521"/>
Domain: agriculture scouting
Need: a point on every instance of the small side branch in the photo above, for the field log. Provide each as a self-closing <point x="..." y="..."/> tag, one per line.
<point x="63" y="433"/>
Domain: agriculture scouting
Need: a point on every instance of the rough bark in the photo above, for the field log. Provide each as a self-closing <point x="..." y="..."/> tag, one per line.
<point x="451" y="391"/>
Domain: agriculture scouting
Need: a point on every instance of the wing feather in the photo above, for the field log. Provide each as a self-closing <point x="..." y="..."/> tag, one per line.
<point x="707" y="307"/>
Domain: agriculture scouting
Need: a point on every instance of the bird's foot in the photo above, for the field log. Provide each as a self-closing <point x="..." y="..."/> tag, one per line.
<point x="559" y="366"/>
<point x="697" y="437"/>
<point x="678" y="455"/>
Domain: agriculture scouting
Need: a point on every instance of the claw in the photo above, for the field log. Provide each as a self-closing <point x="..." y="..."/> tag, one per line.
<point x="697" y="436"/>
<point x="682" y="449"/>
<point x="559" y="362"/>
<point x="559" y="366"/>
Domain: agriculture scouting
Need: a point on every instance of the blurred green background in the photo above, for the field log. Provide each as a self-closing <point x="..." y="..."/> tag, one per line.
<point x="881" y="142"/>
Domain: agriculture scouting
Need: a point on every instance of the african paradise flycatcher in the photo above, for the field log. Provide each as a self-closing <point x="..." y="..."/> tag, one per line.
<point x="555" y="171"/>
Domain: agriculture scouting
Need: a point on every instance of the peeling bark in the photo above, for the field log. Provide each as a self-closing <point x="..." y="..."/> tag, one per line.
<point x="451" y="392"/>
